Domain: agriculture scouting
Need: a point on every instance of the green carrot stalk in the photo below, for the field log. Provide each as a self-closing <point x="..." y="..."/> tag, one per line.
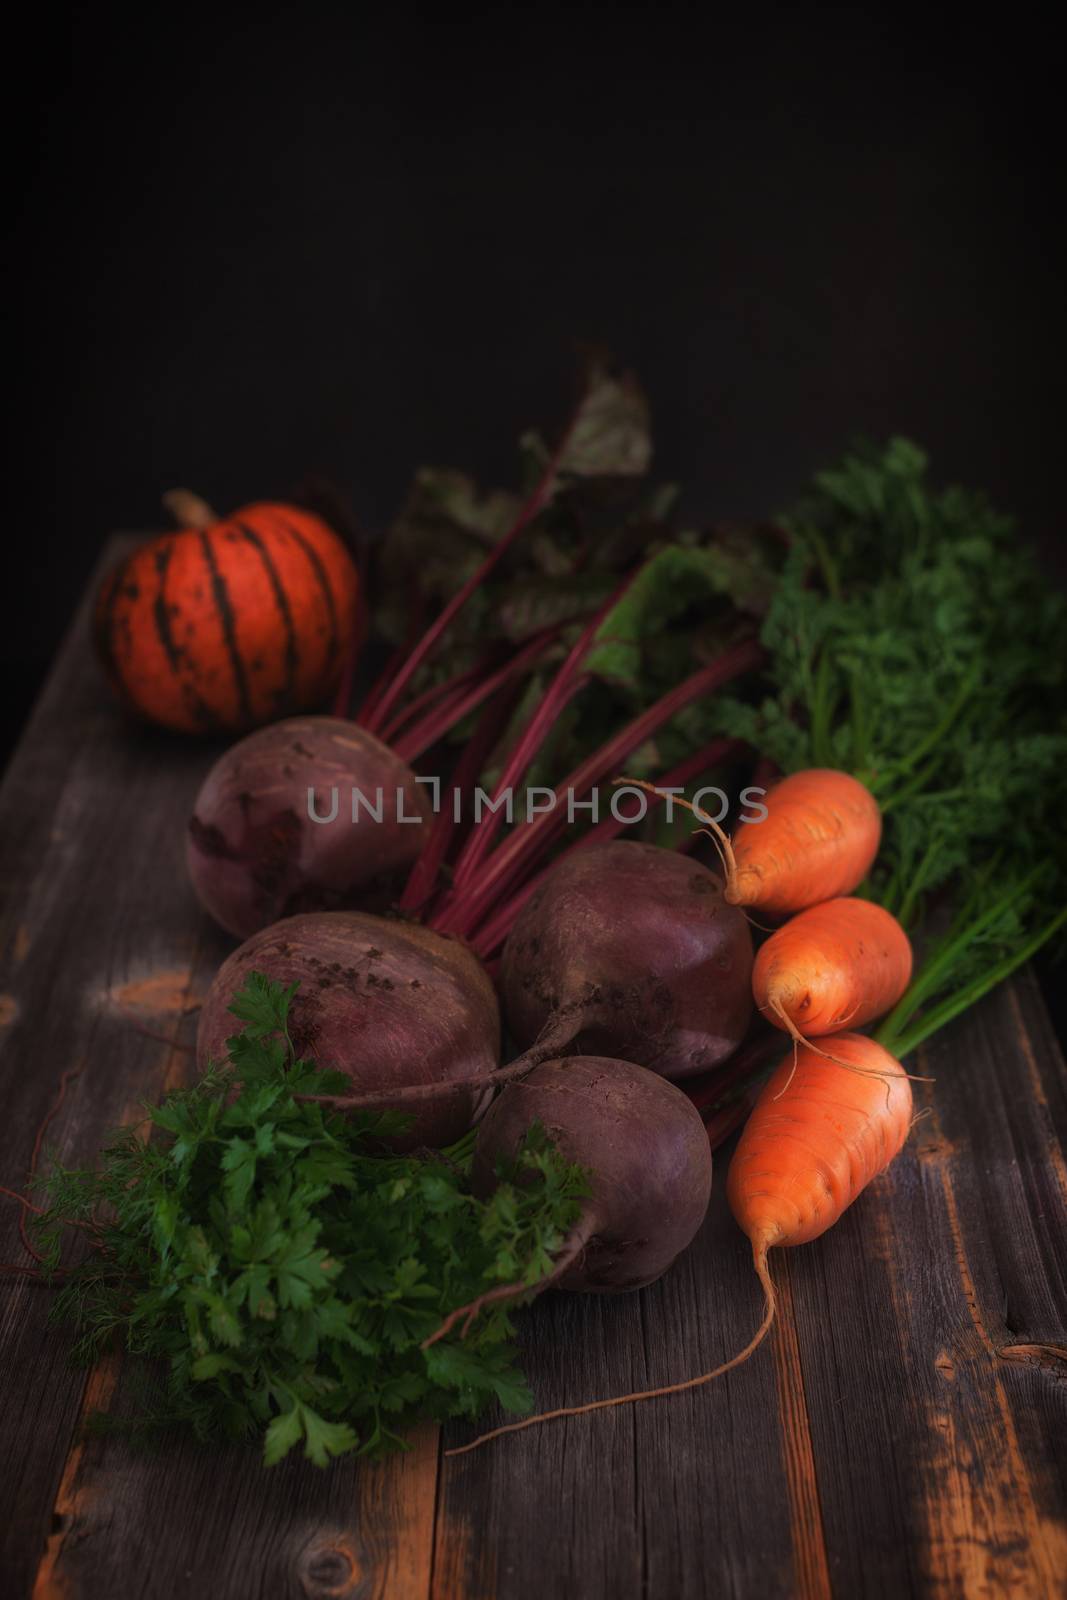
<point x="913" y="641"/>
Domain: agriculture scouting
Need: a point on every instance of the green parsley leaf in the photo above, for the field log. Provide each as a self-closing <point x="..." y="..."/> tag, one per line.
<point x="280" y="1271"/>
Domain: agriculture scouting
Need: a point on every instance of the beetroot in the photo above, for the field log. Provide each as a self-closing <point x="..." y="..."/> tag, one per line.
<point x="630" y="950"/>
<point x="643" y="1146"/>
<point x="386" y="1003"/>
<point x="642" y="1142"/>
<point x="624" y="947"/>
<point x="254" y="852"/>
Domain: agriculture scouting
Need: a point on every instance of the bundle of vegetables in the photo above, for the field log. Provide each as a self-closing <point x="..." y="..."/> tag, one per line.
<point x="639" y="958"/>
<point x="589" y="519"/>
<point x="299" y="1282"/>
<point x="911" y="691"/>
<point x="285" y="1267"/>
<point x="384" y="1003"/>
<point x="915" y="660"/>
<point x="912" y="641"/>
<point x="576" y="628"/>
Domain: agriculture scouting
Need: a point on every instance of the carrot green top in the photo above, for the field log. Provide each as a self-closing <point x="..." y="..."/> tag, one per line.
<point x="914" y="642"/>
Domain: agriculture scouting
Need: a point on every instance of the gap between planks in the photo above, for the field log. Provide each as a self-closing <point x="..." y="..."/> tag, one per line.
<point x="811" y="1569"/>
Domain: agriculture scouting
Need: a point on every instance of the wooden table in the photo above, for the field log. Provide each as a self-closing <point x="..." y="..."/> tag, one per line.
<point x="903" y="1432"/>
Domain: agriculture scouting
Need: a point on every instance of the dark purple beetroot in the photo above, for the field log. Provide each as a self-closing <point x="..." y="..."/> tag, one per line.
<point x="631" y="951"/>
<point x="386" y="1003"/>
<point x="254" y="853"/>
<point x="645" y="1148"/>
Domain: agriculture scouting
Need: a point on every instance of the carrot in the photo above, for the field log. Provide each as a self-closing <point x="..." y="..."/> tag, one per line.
<point x="818" y="840"/>
<point x="840" y="963"/>
<point x="819" y="1132"/>
<point x="808" y="1151"/>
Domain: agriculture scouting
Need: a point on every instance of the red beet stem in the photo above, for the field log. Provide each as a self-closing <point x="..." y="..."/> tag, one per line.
<point x="533" y="507"/>
<point x="738" y="1078"/>
<point x="369" y="704"/>
<point x="431" y="697"/>
<point x="754" y="1056"/>
<point x="444" y="716"/>
<point x="568" y="682"/>
<point x="422" y="880"/>
<point x="474" y="900"/>
<point x="725" y="1122"/>
<point x="493" y="932"/>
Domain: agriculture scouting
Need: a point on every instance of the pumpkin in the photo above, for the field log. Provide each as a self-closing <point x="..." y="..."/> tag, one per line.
<point x="229" y="623"/>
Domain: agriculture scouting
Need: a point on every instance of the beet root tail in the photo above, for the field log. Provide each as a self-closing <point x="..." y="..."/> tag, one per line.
<point x="569" y="1251"/>
<point x="552" y="1040"/>
<point x="759" y="1257"/>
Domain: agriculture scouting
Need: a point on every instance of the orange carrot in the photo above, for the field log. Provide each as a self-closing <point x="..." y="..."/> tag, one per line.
<point x="819" y="838"/>
<point x="817" y="841"/>
<point x="838" y="964"/>
<point x="819" y="1132"/>
<point x="812" y="1144"/>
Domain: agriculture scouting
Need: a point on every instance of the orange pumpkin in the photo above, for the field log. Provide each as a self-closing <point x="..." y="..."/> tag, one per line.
<point x="232" y="624"/>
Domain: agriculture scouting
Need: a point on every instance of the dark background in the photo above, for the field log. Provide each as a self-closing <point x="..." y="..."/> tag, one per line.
<point x="246" y="251"/>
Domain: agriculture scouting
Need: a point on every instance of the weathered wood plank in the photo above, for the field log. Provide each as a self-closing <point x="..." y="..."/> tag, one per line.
<point x="100" y="939"/>
<point x="90" y="873"/>
<point x="906" y="1450"/>
<point x="232" y="1528"/>
<point x="811" y="1572"/>
<point x="940" y="1457"/>
<point x="681" y="1497"/>
<point x="185" y="1521"/>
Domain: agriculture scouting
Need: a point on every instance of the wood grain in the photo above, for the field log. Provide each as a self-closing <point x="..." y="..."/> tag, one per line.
<point x="902" y="1449"/>
<point x="956" y="1254"/>
<point x="903" y="1432"/>
<point x="811" y="1574"/>
<point x="103" y="952"/>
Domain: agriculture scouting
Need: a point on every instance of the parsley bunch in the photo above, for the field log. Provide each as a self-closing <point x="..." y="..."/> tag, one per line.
<point x="914" y="642"/>
<point x="285" y="1267"/>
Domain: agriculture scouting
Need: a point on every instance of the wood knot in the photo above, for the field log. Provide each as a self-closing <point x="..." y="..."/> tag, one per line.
<point x="945" y="1366"/>
<point x="9" y="1009"/>
<point x="934" y="1150"/>
<point x="1048" y="1358"/>
<point x="328" y="1568"/>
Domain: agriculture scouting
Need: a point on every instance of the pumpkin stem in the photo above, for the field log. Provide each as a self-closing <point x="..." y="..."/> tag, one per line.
<point x="188" y="509"/>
